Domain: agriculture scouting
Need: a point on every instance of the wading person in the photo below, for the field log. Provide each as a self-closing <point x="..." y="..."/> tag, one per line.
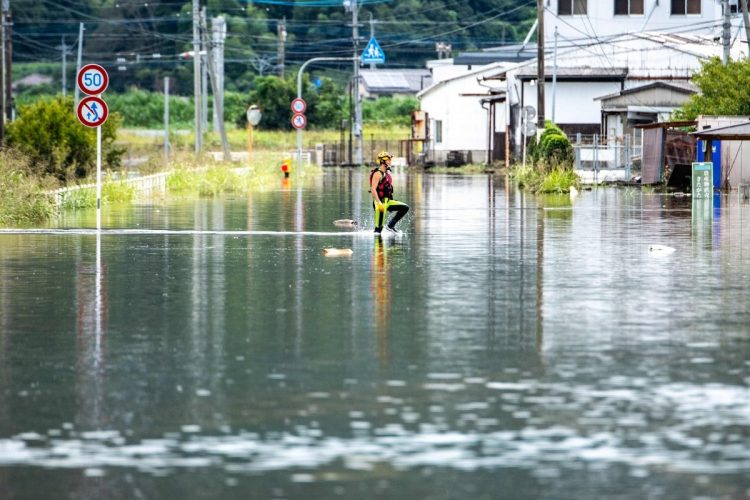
<point x="381" y="188"/>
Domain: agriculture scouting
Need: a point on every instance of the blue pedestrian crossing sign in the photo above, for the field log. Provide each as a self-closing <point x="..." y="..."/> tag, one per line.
<point x="373" y="53"/>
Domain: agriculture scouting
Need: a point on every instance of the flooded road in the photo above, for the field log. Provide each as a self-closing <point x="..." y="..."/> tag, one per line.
<point x="505" y="346"/>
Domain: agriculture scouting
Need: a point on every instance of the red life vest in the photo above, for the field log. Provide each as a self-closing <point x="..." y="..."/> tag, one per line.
<point x="385" y="185"/>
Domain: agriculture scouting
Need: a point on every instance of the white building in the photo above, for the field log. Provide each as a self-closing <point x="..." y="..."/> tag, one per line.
<point x="601" y="19"/>
<point x="604" y="47"/>
<point x="585" y="73"/>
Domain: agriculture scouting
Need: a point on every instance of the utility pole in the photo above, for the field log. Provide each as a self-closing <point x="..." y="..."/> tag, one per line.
<point x="219" y="34"/>
<point x="726" y="31"/>
<point x="63" y="79"/>
<point x="197" y="99"/>
<point x="372" y="35"/>
<point x="746" y="18"/>
<point x="166" y="121"/>
<point x="280" y="40"/>
<point x="218" y="105"/>
<point x="540" y="66"/>
<point x="78" y="59"/>
<point x="3" y="75"/>
<point x="554" y="77"/>
<point x="357" y="125"/>
<point x="7" y="19"/>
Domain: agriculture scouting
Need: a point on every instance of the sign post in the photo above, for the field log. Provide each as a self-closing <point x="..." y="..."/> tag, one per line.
<point x="92" y="112"/>
<point x="703" y="180"/>
<point x="253" y="118"/>
<point x="299" y="121"/>
<point x="702" y="203"/>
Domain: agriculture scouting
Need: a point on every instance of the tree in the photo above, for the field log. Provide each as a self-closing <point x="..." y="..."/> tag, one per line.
<point x="49" y="134"/>
<point x="723" y="90"/>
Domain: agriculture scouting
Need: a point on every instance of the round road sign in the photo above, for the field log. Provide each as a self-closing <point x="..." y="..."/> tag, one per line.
<point x="299" y="105"/>
<point x="253" y="115"/>
<point x="92" y="111"/>
<point x="299" y="120"/>
<point x="93" y="79"/>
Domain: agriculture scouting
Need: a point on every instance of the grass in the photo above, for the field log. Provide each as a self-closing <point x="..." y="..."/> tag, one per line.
<point x="471" y="168"/>
<point x="23" y="198"/>
<point x="139" y="144"/>
<point x="559" y="180"/>
<point x="113" y="191"/>
<point x="208" y="178"/>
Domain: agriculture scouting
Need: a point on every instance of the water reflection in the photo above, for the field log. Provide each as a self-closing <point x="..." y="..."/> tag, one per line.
<point x="380" y="284"/>
<point x="504" y="339"/>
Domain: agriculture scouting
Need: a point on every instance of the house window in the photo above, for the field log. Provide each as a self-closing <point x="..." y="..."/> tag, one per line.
<point x="571" y="7"/>
<point x="438" y="131"/>
<point x="683" y="7"/>
<point x="628" y="7"/>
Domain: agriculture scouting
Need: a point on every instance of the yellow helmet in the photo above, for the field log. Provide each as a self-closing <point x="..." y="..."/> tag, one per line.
<point x="384" y="155"/>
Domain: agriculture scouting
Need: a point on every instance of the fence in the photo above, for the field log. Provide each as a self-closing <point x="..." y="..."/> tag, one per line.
<point x="144" y="185"/>
<point x="597" y="153"/>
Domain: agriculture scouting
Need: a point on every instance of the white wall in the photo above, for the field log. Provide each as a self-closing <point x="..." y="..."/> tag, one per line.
<point x="601" y="20"/>
<point x="574" y="102"/>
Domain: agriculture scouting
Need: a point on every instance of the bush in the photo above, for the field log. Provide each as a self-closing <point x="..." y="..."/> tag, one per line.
<point x="555" y="149"/>
<point x="552" y="149"/>
<point x="49" y="134"/>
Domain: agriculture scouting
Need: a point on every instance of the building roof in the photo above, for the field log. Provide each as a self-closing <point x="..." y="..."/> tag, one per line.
<point x="387" y="81"/>
<point x="677" y="85"/>
<point x="586" y="73"/>
<point x="507" y="53"/>
<point x="739" y="132"/>
<point x="32" y="80"/>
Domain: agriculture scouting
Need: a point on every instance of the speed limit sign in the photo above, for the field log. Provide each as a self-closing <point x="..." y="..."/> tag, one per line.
<point x="93" y="79"/>
<point x="298" y="105"/>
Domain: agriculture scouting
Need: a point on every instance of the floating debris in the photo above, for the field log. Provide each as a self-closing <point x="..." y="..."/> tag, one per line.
<point x="660" y="249"/>
<point x="337" y="252"/>
<point x="345" y="223"/>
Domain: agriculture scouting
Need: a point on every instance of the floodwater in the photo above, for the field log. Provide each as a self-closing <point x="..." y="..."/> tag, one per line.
<point x="505" y="346"/>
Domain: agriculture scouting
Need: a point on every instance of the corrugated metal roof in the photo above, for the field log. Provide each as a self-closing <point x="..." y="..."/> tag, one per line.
<point x="587" y="72"/>
<point x="680" y="86"/>
<point x="386" y="81"/>
<point x="740" y="132"/>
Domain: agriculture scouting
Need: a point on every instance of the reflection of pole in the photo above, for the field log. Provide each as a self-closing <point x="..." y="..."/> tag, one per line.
<point x="98" y="296"/>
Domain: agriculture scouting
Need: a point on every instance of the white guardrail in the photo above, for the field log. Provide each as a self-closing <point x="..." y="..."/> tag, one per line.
<point x="144" y="185"/>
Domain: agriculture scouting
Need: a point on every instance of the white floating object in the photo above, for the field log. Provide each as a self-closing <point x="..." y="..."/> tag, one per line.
<point x="660" y="249"/>
<point x="337" y="252"/>
<point x="345" y="223"/>
<point x="573" y="192"/>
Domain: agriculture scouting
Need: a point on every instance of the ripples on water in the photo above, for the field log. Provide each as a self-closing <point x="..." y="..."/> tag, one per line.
<point x="506" y="346"/>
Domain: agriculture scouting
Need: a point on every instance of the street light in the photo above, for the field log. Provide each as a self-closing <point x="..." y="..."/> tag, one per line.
<point x="253" y="118"/>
